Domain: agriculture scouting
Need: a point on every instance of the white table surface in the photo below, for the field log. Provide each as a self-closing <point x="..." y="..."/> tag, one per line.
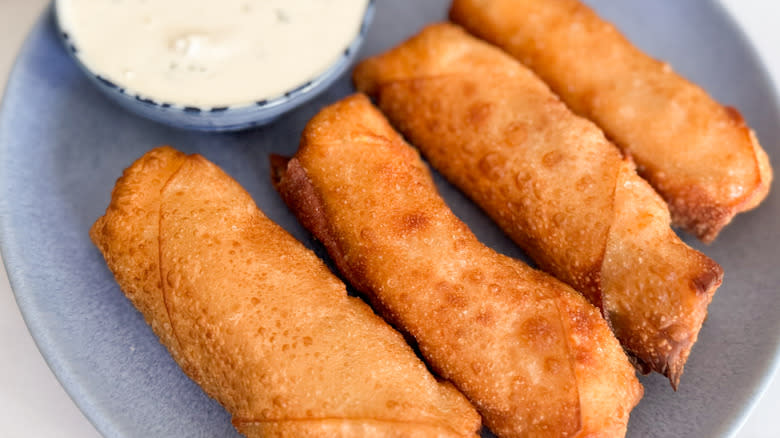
<point x="32" y="402"/>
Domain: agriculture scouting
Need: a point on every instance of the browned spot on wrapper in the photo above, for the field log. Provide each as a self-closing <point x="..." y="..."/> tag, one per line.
<point x="479" y="113"/>
<point x="492" y="166"/>
<point x="414" y="222"/>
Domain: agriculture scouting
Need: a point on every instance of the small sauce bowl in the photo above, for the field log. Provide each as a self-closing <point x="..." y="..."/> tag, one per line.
<point x="224" y="118"/>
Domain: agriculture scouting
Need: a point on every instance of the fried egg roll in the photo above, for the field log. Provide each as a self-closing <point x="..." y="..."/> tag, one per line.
<point x="699" y="155"/>
<point x="533" y="355"/>
<point x="554" y="184"/>
<point x="256" y="319"/>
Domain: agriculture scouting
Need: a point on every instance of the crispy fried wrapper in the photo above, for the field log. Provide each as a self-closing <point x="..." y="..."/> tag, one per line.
<point x="699" y="155"/>
<point x="553" y="182"/>
<point x="256" y="319"/>
<point x="533" y="355"/>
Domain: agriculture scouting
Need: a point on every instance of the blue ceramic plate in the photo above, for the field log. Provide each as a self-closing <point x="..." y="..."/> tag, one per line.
<point x="63" y="144"/>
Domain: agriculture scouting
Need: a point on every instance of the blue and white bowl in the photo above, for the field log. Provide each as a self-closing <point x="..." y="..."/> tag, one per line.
<point x="228" y="118"/>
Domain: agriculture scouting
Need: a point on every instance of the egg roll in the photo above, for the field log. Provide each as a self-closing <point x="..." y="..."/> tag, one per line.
<point x="552" y="182"/>
<point x="256" y="319"/>
<point x="534" y="356"/>
<point x="700" y="156"/>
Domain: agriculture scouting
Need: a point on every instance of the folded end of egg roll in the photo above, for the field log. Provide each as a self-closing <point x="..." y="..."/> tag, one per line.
<point x="656" y="288"/>
<point x="700" y="212"/>
<point x="128" y="235"/>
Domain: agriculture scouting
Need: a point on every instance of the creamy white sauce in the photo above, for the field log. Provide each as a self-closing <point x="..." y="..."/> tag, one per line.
<point x="210" y="53"/>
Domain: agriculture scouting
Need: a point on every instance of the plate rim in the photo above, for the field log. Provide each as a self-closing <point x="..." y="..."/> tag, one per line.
<point x="8" y="250"/>
<point x="772" y="368"/>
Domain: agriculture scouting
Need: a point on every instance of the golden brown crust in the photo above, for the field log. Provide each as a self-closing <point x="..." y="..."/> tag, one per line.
<point x="553" y="182"/>
<point x="700" y="156"/>
<point x="256" y="319"/>
<point x="532" y="355"/>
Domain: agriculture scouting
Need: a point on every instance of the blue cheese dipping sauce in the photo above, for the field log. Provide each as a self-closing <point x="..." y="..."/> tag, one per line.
<point x="209" y="53"/>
